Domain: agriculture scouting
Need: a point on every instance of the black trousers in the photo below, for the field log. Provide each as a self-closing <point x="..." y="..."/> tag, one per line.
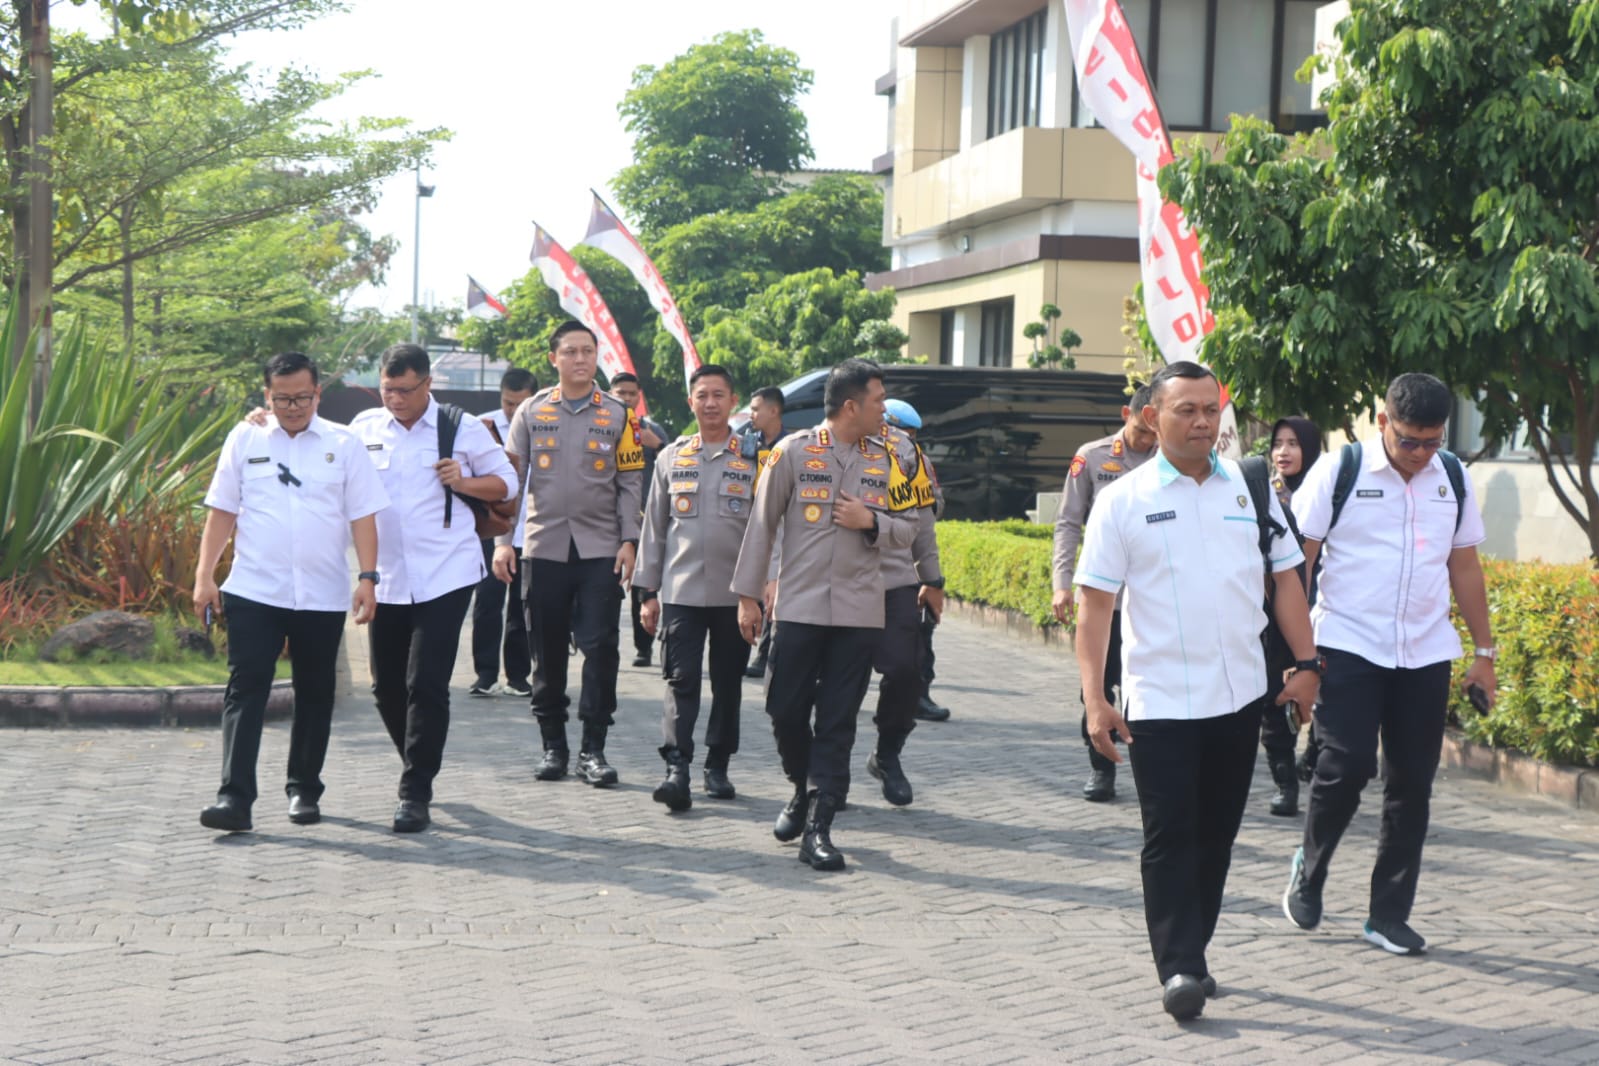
<point x="643" y="643"/>
<point x="1113" y="677"/>
<point x="496" y="609"/>
<point x="1361" y="701"/>
<point x="685" y="631"/>
<point x="575" y="601"/>
<point x="928" y="627"/>
<point x="820" y="669"/>
<point x="413" y="654"/>
<point x="256" y="633"/>
<point x="763" y="650"/>
<point x="897" y="657"/>
<point x="1193" y="780"/>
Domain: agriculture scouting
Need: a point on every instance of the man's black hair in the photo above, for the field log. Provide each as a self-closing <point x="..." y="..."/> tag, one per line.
<point x="770" y="394"/>
<point x="711" y="370"/>
<point x="623" y="378"/>
<point x="1140" y="398"/>
<point x="571" y="325"/>
<point x="517" y="379"/>
<point x="398" y="358"/>
<point x="1419" y="400"/>
<point x="847" y="382"/>
<point x="1171" y="371"/>
<point x="286" y="363"/>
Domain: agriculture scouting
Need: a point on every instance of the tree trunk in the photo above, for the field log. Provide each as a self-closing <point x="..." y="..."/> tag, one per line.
<point x="41" y="214"/>
<point x="125" y="221"/>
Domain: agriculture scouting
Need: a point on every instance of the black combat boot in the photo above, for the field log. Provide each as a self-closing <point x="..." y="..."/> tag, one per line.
<point x="673" y="791"/>
<point x="817" y="847"/>
<point x="717" y="785"/>
<point x="791" y="822"/>
<point x="552" y="767"/>
<point x="885" y="766"/>
<point x="591" y="764"/>
<point x="1285" y="804"/>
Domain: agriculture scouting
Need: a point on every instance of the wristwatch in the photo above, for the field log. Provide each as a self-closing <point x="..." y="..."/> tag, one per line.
<point x="1318" y="664"/>
<point x="368" y="575"/>
<point x="1486" y="653"/>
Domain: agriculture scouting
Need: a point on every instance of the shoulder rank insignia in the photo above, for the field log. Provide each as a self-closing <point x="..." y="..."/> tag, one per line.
<point x="1118" y="448"/>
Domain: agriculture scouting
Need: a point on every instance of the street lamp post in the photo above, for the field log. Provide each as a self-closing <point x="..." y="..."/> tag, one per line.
<point x="416" y="249"/>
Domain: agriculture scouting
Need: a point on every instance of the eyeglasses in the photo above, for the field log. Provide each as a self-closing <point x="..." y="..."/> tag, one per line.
<point x="1410" y="444"/>
<point x="290" y="403"/>
<point x="395" y="390"/>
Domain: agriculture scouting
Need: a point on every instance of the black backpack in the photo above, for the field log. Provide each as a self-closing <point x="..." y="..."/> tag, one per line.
<point x="1257" y="476"/>
<point x="1349" y="470"/>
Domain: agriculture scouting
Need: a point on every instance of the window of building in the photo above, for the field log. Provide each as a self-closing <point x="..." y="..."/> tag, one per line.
<point x="1016" y="75"/>
<point x="1211" y="59"/>
<point x="946" y="337"/>
<point x="998" y="328"/>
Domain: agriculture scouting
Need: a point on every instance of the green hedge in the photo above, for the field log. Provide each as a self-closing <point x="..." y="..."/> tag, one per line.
<point x="1546" y="624"/>
<point x="1000" y="564"/>
<point x="1545" y="619"/>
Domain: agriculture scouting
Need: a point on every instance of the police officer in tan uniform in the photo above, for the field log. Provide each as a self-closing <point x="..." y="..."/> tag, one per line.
<point x="694" y="523"/>
<point x="1097" y="464"/>
<point x="583" y="464"/>
<point x="912" y="580"/>
<point x="835" y="521"/>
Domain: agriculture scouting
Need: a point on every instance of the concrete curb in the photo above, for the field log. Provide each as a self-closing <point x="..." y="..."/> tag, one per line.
<point x="180" y="705"/>
<point x="1573" y="786"/>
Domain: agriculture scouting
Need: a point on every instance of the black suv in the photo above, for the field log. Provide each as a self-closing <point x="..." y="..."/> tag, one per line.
<point x="996" y="436"/>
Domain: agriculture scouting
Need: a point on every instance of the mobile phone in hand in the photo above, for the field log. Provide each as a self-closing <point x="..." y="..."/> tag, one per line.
<point x="1291" y="712"/>
<point x="1478" y="698"/>
<point x="928" y="618"/>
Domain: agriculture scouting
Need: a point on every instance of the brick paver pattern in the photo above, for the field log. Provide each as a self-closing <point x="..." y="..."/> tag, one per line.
<point x="997" y="920"/>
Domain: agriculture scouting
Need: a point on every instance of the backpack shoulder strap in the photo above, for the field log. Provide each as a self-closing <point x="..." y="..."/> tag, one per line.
<point x="1257" y="477"/>
<point x="449" y="423"/>
<point x="1348" y="471"/>
<point x="1457" y="481"/>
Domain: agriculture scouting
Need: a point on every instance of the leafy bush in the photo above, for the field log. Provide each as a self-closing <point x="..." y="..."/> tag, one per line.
<point x="1000" y="564"/>
<point x="1546" y="624"/>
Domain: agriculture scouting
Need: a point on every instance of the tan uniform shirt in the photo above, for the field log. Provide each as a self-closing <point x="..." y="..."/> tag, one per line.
<point x="827" y="575"/>
<point x="1097" y="464"/>
<point x="918" y="564"/>
<point x="585" y="474"/>
<point x="694" y="522"/>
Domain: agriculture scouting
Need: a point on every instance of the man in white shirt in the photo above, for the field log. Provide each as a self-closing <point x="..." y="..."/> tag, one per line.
<point x="291" y="492"/>
<point x="497" y="605"/>
<point x="1402" y="537"/>
<point x="1181" y="536"/>
<point x="429" y="563"/>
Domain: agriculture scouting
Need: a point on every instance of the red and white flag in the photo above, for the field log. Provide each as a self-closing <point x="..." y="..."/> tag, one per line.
<point x="580" y="299"/>
<point x="1116" y="88"/>
<point x="480" y="302"/>
<point x="609" y="235"/>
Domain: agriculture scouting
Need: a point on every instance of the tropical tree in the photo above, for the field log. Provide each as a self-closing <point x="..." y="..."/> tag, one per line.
<point x="1446" y="220"/>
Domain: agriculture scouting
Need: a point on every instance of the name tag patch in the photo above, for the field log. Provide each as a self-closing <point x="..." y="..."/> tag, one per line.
<point x="1369" y="494"/>
<point x="260" y="459"/>
<point x="369" y="447"/>
<point x="1162" y="516"/>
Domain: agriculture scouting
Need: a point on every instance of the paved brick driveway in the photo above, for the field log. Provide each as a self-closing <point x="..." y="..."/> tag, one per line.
<point x="997" y="920"/>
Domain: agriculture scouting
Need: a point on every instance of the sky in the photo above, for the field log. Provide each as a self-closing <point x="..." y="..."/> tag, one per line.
<point x="530" y="88"/>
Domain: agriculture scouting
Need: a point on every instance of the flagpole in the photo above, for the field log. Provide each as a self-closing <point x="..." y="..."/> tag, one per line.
<point x="416" y="249"/>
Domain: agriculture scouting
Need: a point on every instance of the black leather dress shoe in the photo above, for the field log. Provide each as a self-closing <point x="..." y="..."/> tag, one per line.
<point x="928" y="711"/>
<point x="1183" y="997"/>
<point x="228" y="815"/>
<point x="411" y="816"/>
<point x="1208" y="984"/>
<point x="303" y="811"/>
<point x="552" y="766"/>
<point x="717" y="786"/>
<point x="641" y="659"/>
<point x="756" y="669"/>
<point x="1101" y="787"/>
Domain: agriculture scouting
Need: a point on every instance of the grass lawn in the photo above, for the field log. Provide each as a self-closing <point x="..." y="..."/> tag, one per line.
<point x="199" y="672"/>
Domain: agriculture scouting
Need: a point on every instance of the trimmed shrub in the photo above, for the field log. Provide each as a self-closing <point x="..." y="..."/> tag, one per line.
<point x="1546" y="624"/>
<point x="999" y="564"/>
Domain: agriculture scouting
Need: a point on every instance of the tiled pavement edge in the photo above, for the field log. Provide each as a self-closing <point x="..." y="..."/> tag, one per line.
<point x="996" y="920"/>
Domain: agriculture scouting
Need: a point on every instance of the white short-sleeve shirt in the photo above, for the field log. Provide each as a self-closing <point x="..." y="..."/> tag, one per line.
<point x="419" y="558"/>
<point x="1384" y="586"/>
<point x="1188" y="555"/>
<point x="290" y="542"/>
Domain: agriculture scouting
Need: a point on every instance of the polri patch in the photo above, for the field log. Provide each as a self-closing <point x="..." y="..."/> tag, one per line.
<point x="1161" y="516"/>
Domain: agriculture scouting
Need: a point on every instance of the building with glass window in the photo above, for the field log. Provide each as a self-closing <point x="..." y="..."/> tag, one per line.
<point x="1002" y="195"/>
